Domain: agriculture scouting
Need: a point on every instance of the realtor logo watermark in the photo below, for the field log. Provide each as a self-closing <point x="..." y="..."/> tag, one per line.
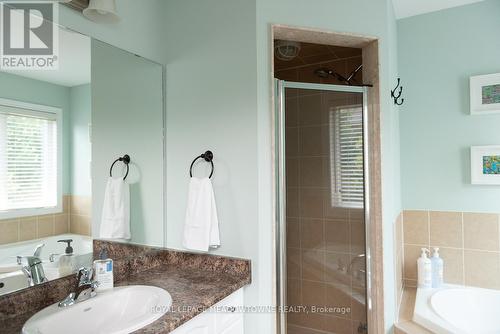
<point x="29" y="36"/>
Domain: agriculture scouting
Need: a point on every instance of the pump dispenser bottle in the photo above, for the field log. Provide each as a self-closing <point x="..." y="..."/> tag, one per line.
<point x="424" y="270"/>
<point x="437" y="269"/>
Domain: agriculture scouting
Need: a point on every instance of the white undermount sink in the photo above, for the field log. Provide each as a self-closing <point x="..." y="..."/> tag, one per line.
<point x="120" y="310"/>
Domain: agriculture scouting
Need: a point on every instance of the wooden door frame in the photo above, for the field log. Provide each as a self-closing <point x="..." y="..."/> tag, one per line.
<point x="370" y="54"/>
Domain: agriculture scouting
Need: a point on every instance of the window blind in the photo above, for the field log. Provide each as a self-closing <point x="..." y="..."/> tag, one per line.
<point x="347" y="163"/>
<point x="28" y="159"/>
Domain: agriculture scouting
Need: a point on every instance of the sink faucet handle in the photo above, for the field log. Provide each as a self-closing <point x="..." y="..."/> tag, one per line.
<point x="94" y="284"/>
<point x="84" y="275"/>
<point x="53" y="256"/>
<point x="38" y="250"/>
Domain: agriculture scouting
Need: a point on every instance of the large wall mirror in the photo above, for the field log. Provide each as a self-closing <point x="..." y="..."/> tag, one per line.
<point x="60" y="130"/>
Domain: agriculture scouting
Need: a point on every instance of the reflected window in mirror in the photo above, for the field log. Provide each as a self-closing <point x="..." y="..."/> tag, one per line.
<point x="45" y="163"/>
<point x="30" y="159"/>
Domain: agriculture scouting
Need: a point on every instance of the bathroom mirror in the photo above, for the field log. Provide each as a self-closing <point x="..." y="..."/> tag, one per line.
<point x="60" y="131"/>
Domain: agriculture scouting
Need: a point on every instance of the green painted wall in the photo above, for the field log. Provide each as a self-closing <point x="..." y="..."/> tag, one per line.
<point x="218" y="56"/>
<point x="212" y="104"/>
<point x="437" y="54"/>
<point x="80" y="148"/>
<point x="127" y="118"/>
<point x="34" y="91"/>
<point x="140" y="31"/>
<point x="218" y="88"/>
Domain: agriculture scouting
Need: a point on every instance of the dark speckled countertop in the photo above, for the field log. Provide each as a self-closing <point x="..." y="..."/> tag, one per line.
<point x="195" y="281"/>
<point x="192" y="292"/>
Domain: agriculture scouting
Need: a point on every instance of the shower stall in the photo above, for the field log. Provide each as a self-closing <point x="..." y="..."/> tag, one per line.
<point x="322" y="208"/>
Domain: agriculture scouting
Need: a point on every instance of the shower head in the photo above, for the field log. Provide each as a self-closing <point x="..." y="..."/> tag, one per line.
<point x="323" y="72"/>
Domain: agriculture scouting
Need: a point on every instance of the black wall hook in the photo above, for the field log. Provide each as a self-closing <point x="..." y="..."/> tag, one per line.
<point x="396" y="97"/>
<point x="208" y="156"/>
<point x="125" y="159"/>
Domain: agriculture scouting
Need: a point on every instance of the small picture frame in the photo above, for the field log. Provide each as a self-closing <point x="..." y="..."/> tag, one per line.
<point x="485" y="94"/>
<point x="485" y="164"/>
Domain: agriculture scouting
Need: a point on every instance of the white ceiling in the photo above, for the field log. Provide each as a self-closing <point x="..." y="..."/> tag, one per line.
<point x="406" y="8"/>
<point x="74" y="62"/>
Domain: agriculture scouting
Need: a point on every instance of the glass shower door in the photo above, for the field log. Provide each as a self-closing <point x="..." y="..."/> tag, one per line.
<point x="322" y="221"/>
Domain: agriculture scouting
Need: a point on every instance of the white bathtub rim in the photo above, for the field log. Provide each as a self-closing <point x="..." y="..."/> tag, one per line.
<point x="425" y="316"/>
<point x="9" y="266"/>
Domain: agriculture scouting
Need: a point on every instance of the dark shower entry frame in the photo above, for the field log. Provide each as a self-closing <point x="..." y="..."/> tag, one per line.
<point x="281" y="247"/>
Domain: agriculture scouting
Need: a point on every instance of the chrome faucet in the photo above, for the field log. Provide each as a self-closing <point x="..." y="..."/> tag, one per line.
<point x="84" y="289"/>
<point x="357" y="258"/>
<point x="34" y="270"/>
<point x="52" y="257"/>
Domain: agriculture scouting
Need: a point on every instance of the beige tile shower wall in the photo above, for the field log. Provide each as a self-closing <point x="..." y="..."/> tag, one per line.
<point x="305" y="73"/>
<point x="34" y="227"/>
<point x="75" y="218"/>
<point x="322" y="241"/>
<point x="469" y="244"/>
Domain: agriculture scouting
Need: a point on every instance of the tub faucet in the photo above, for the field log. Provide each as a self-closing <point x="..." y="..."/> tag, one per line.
<point x="357" y="258"/>
<point x="34" y="270"/>
<point x="38" y="250"/>
<point x="84" y="288"/>
<point x="36" y="253"/>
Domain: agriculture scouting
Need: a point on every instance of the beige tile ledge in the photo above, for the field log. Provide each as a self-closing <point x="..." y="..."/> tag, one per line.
<point x="405" y="325"/>
<point x="409" y="327"/>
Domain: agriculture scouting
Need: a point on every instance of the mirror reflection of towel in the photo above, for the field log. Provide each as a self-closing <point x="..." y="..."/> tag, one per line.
<point x="201" y="228"/>
<point x="115" y="221"/>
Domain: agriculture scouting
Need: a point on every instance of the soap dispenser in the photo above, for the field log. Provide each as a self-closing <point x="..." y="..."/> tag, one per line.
<point x="66" y="260"/>
<point x="103" y="271"/>
<point x="437" y="265"/>
<point x="424" y="270"/>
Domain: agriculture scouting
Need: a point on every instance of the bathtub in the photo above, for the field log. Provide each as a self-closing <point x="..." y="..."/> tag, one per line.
<point x="11" y="276"/>
<point x="456" y="309"/>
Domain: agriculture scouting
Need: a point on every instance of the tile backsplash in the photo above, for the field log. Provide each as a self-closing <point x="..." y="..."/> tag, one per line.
<point x="75" y="218"/>
<point x="469" y="244"/>
<point x="80" y="214"/>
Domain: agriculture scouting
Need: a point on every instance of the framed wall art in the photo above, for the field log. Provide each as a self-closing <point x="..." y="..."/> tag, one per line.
<point x="485" y="164"/>
<point x="485" y="94"/>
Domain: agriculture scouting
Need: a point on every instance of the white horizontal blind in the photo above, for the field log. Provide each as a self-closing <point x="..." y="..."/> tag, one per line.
<point x="28" y="159"/>
<point x="348" y="178"/>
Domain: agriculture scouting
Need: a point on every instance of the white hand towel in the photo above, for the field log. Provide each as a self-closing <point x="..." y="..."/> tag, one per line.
<point x="115" y="221"/>
<point x="201" y="228"/>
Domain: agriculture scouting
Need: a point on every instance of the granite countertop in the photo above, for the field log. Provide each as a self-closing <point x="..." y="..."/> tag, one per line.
<point x="195" y="281"/>
<point x="192" y="292"/>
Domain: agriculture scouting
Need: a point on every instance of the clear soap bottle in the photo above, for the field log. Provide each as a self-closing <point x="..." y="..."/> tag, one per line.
<point x="437" y="265"/>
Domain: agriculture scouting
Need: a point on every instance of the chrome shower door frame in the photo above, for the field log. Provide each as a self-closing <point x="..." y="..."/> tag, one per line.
<point x="280" y="191"/>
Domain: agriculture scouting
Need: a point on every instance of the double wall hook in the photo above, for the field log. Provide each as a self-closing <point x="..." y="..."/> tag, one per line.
<point x="397" y="101"/>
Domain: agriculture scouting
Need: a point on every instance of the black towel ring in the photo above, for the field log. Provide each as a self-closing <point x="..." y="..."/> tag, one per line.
<point x="125" y="159"/>
<point x="208" y="156"/>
